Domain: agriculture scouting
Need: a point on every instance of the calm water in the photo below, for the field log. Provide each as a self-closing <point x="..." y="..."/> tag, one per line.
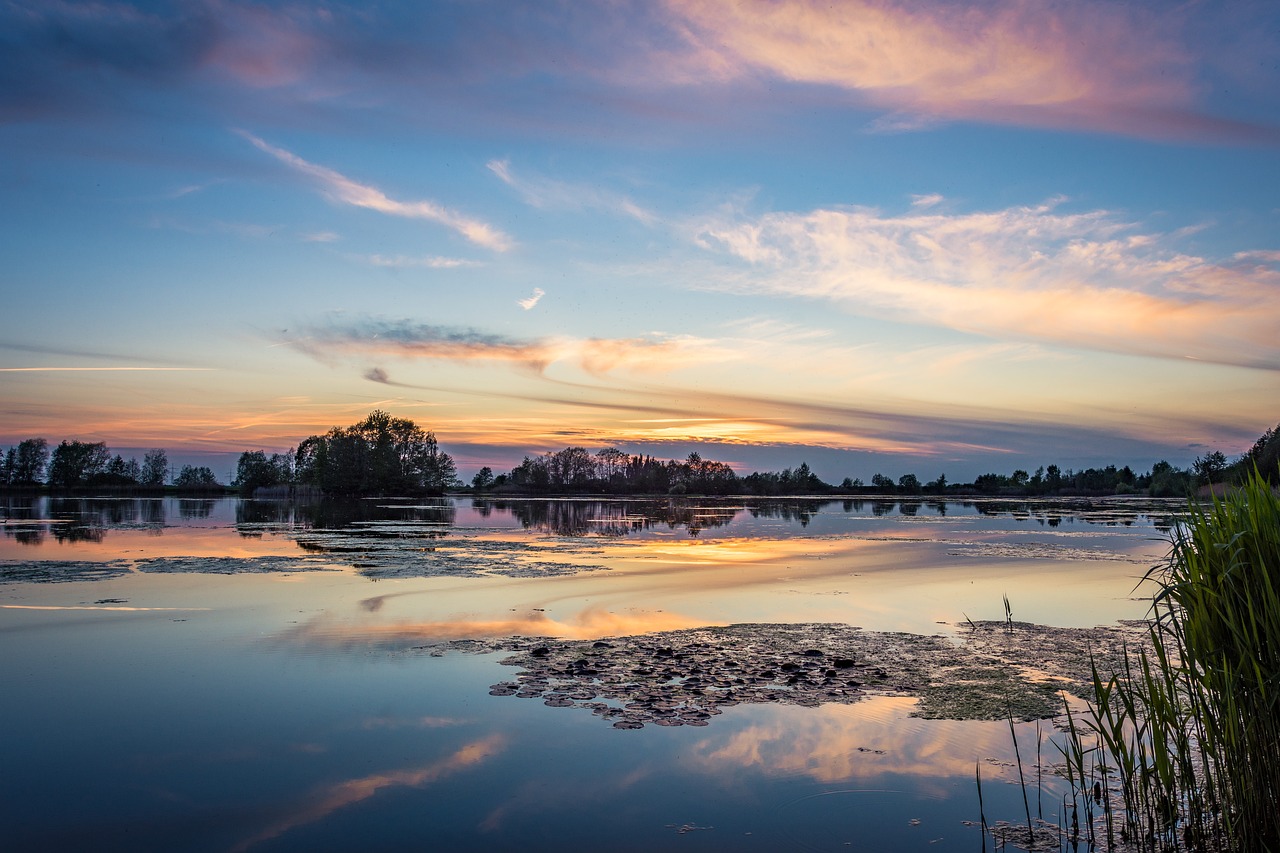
<point x="226" y="675"/>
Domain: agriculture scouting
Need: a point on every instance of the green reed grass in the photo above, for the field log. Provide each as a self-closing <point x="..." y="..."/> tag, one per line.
<point x="1190" y="727"/>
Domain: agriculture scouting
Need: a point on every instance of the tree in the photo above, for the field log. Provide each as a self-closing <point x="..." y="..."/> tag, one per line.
<point x="155" y="469"/>
<point x="119" y="472"/>
<point x="191" y="477"/>
<point x="76" y="464"/>
<point x="483" y="480"/>
<point x="255" y="470"/>
<point x="29" y="462"/>
<point x="1210" y="467"/>
<point x="909" y="484"/>
<point x="380" y="455"/>
<point x="882" y="483"/>
<point x="1265" y="455"/>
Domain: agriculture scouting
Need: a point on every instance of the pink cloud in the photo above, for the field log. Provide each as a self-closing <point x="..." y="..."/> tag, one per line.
<point x="1111" y="67"/>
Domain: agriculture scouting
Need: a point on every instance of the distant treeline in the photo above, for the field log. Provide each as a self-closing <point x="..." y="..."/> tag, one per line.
<point x="611" y="471"/>
<point x="79" y="465"/>
<point x="387" y="455"/>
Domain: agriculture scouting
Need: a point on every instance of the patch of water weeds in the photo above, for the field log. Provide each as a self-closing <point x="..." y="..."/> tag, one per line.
<point x="687" y="677"/>
<point x="386" y="553"/>
<point x="61" y="571"/>
<point x="230" y="565"/>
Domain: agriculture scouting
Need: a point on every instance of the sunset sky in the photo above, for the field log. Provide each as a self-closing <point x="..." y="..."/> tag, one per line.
<point x="875" y="236"/>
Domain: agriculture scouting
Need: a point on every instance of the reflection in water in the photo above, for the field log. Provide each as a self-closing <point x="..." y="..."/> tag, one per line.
<point x="840" y="743"/>
<point x="194" y="508"/>
<point x="327" y="634"/>
<point x="616" y="518"/>
<point x="30" y="519"/>
<point x="330" y="799"/>
<point x="253" y="517"/>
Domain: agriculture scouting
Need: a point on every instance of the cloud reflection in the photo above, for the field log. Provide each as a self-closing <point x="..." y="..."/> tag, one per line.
<point x="332" y="798"/>
<point x="839" y="743"/>
<point x="329" y="633"/>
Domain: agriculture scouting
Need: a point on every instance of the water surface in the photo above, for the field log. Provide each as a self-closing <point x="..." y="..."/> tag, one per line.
<point x="238" y="675"/>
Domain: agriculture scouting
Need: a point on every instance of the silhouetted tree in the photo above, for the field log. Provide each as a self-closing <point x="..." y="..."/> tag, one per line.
<point x="195" y="478"/>
<point x="1210" y="467"/>
<point x="483" y="480"/>
<point x="155" y="469"/>
<point x="29" y="462"/>
<point x="255" y="470"/>
<point x="380" y="455"/>
<point x="1265" y="456"/>
<point x="76" y="464"/>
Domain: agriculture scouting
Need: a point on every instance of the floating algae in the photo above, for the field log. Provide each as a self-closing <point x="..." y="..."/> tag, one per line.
<point x="61" y="571"/>
<point x="687" y="677"/>
<point x="387" y="551"/>
<point x="230" y="565"/>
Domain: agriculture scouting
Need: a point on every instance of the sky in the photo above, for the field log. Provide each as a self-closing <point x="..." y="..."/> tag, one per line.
<point x="877" y="237"/>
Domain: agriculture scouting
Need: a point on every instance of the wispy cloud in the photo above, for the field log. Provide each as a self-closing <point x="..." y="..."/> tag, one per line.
<point x="435" y="262"/>
<point x="528" y="302"/>
<point x="1098" y="66"/>
<point x="100" y="369"/>
<point x="1090" y="279"/>
<point x="340" y="188"/>
<point x="546" y="193"/>
<point x="378" y="339"/>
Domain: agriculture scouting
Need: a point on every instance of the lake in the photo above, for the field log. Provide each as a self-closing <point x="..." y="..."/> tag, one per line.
<point x="231" y="675"/>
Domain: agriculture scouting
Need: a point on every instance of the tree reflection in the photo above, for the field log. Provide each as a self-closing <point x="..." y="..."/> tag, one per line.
<point x="195" y="508"/>
<point x="335" y="513"/>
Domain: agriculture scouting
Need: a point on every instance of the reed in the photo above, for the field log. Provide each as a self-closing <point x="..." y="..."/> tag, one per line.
<point x="1191" y="725"/>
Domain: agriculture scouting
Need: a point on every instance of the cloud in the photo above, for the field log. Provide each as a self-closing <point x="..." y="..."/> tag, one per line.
<point x="1080" y="65"/>
<point x="434" y="262"/>
<point x="545" y="193"/>
<point x="376" y="338"/>
<point x="1087" y="280"/>
<point x="100" y="369"/>
<point x="533" y="300"/>
<point x="342" y="189"/>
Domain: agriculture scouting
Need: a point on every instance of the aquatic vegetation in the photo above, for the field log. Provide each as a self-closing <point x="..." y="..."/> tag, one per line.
<point x="686" y="677"/>
<point x="1190" y="728"/>
<point x="61" y="571"/>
